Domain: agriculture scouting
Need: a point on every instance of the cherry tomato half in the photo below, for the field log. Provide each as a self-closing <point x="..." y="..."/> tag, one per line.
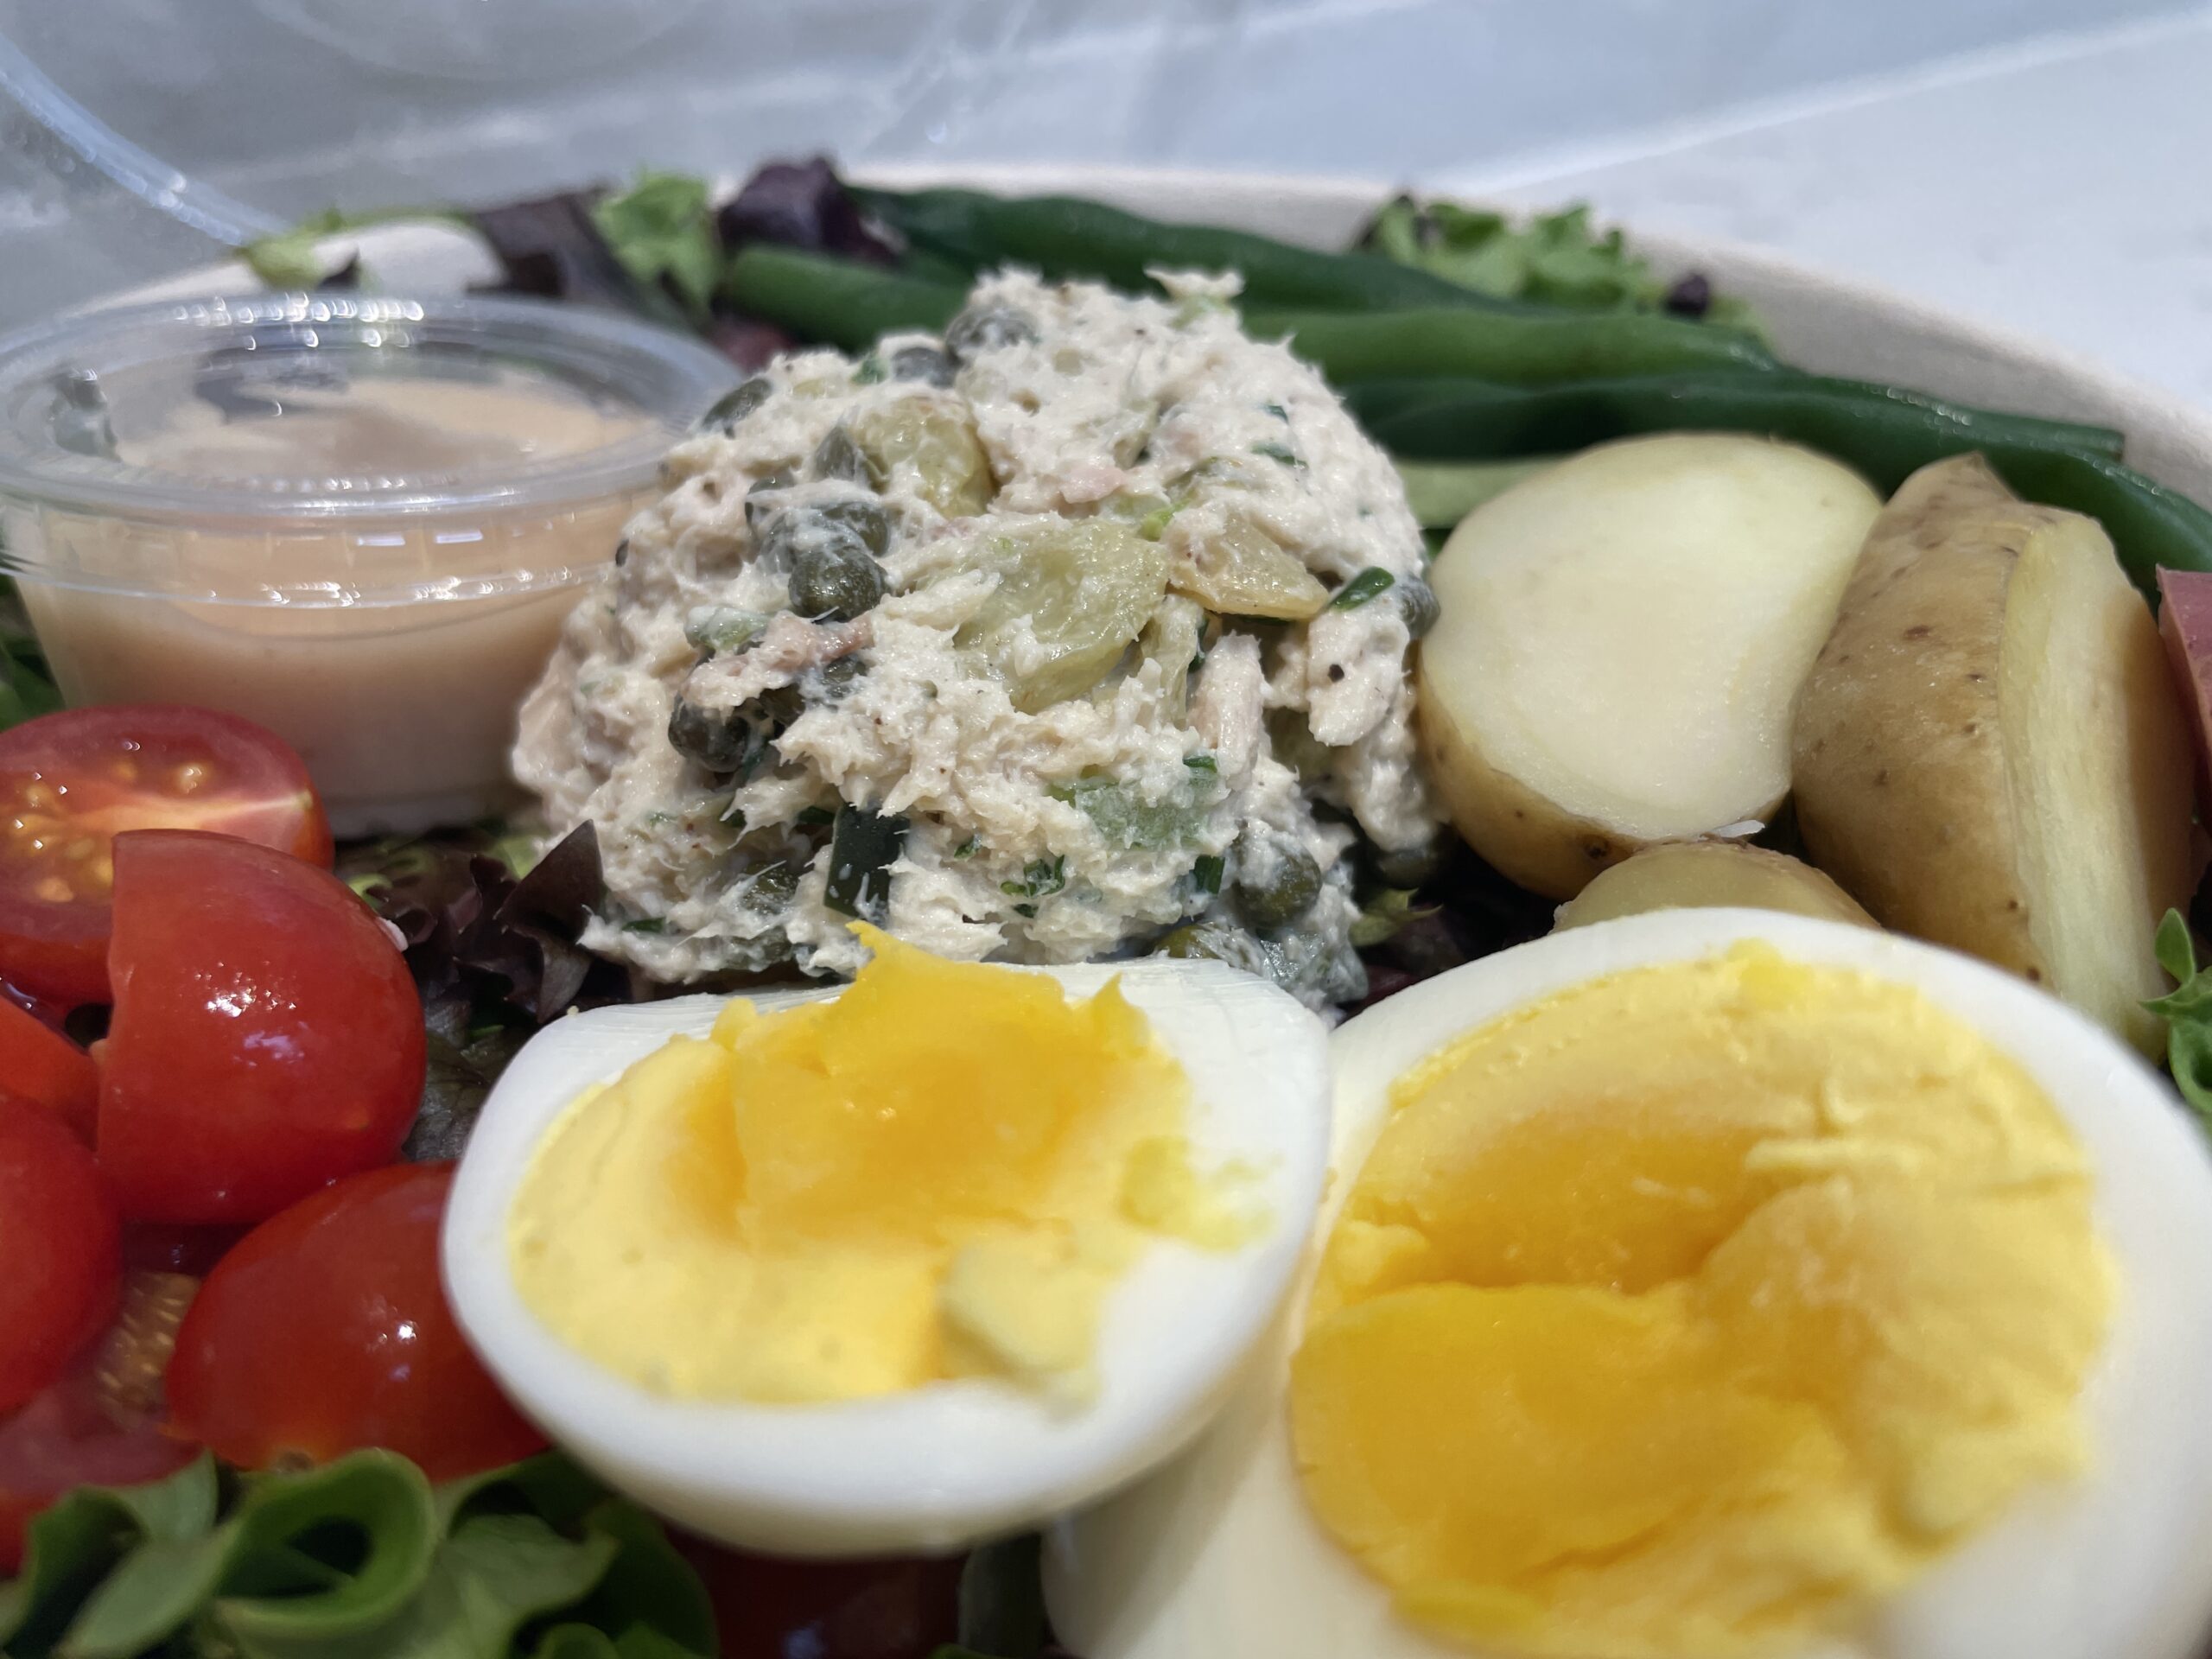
<point x="73" y="1435"/>
<point x="326" y="1329"/>
<point x="267" y="1036"/>
<point x="60" y="1249"/>
<point x="71" y="782"/>
<point x="42" y="1066"/>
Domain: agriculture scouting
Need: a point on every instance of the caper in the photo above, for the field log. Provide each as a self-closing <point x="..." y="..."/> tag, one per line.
<point x="771" y="887"/>
<point x="1211" y="941"/>
<point x="988" y="328"/>
<point x="1417" y="600"/>
<point x="1277" y="886"/>
<point x="833" y="681"/>
<point x="760" y="503"/>
<point x="1295" y="746"/>
<point x="736" y="404"/>
<point x="722" y="740"/>
<point x="796" y="529"/>
<point x="927" y="363"/>
<point x="1407" y="866"/>
<point x="834" y="577"/>
<point x="838" y="456"/>
<point x="865" y="516"/>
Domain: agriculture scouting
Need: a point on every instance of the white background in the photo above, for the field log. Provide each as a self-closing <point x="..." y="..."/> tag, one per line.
<point x="2040" y="161"/>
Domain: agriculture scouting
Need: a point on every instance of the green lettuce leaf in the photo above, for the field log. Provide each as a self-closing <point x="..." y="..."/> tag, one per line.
<point x="662" y="229"/>
<point x="27" y="687"/>
<point x="355" y="1560"/>
<point x="289" y="259"/>
<point x="1558" y="258"/>
<point x="2187" y="1010"/>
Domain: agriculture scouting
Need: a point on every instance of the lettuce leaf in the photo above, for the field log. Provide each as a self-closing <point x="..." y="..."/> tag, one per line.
<point x="662" y="229"/>
<point x="2187" y="1010"/>
<point x="357" y="1558"/>
<point x="27" y="687"/>
<point x="1558" y="258"/>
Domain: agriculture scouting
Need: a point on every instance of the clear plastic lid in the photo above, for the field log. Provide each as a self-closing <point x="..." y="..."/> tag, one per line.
<point x="334" y="425"/>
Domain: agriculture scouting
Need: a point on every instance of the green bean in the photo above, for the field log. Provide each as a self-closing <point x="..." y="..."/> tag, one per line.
<point x="1884" y="434"/>
<point x="1442" y="492"/>
<point x="841" y="302"/>
<point x="1063" y="236"/>
<point x="1533" y="349"/>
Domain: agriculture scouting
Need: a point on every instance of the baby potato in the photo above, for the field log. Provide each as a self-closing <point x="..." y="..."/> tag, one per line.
<point x="1989" y="752"/>
<point x="1622" y="637"/>
<point x="1704" y="874"/>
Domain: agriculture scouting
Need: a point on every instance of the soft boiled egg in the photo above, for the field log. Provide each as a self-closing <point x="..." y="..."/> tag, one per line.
<point x="896" y="1266"/>
<point x="1706" y="1283"/>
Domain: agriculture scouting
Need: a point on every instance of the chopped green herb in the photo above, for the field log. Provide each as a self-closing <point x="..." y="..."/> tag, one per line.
<point x="2187" y="1010"/>
<point x="1155" y="523"/>
<point x="1277" y="410"/>
<point x="1041" y="878"/>
<point x="1029" y="911"/>
<point x="969" y="848"/>
<point x="862" y="848"/>
<point x="1204" y="763"/>
<point x="1205" y="874"/>
<point x="1281" y="452"/>
<point x="813" y="815"/>
<point x="645" y="925"/>
<point x="1128" y="821"/>
<point x="869" y="371"/>
<point x="1362" y="588"/>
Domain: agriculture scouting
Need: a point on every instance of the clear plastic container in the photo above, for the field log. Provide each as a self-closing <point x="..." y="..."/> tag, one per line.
<point x="357" y="520"/>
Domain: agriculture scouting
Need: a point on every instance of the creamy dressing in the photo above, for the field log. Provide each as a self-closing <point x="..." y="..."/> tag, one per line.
<point x="1142" y="801"/>
<point x="381" y="647"/>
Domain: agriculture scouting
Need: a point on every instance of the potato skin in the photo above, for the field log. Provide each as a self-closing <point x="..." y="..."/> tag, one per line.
<point x="1988" y="755"/>
<point x="1898" y="760"/>
<point x="1526" y="837"/>
<point x="1690" y="874"/>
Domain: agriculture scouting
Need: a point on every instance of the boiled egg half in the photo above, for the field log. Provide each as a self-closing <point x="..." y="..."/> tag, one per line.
<point x="898" y="1266"/>
<point x="1705" y="1283"/>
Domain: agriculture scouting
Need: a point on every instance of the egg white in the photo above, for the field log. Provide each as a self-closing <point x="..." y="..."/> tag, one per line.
<point x="1218" y="1553"/>
<point x="941" y="1466"/>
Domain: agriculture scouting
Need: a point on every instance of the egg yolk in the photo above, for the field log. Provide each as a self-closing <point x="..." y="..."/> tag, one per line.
<point x="939" y="1175"/>
<point x="1687" y="1311"/>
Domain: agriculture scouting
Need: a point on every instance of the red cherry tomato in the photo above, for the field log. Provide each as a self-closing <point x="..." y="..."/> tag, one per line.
<point x="60" y="1249"/>
<point x="73" y="1435"/>
<point x="42" y="1066"/>
<point x="267" y="1037"/>
<point x="766" y="1607"/>
<point x="326" y="1329"/>
<point x="71" y="782"/>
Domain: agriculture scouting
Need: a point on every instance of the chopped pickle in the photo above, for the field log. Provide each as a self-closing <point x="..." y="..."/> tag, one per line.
<point x="937" y="442"/>
<point x="1173" y="639"/>
<point x="1070" y="599"/>
<point x="1241" y="571"/>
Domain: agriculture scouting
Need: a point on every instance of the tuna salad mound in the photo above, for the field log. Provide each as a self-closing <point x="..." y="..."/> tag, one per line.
<point x="1079" y="632"/>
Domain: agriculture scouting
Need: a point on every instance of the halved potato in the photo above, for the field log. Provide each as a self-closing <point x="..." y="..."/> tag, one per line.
<point x="1622" y="639"/>
<point x="1701" y="874"/>
<point x="1989" y="751"/>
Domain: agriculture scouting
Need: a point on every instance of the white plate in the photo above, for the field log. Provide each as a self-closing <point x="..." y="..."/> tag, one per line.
<point x="1820" y="323"/>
